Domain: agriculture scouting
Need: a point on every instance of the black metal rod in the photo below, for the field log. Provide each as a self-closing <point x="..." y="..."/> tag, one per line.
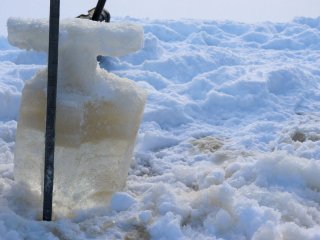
<point x="98" y="10"/>
<point x="51" y="108"/>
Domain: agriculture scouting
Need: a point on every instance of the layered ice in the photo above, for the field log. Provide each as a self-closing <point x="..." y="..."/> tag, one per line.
<point x="98" y="113"/>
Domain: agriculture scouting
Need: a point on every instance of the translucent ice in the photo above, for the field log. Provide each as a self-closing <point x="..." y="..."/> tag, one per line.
<point x="98" y="113"/>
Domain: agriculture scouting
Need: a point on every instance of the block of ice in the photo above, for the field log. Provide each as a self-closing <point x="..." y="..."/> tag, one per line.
<point x="98" y="113"/>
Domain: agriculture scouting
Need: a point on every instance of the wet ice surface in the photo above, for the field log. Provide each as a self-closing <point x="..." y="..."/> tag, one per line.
<point x="229" y="145"/>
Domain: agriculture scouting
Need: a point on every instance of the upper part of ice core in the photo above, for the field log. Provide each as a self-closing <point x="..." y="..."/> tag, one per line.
<point x="77" y="33"/>
<point x="80" y="42"/>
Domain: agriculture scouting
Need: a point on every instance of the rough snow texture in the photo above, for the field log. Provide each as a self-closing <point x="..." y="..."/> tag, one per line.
<point x="98" y="113"/>
<point x="229" y="147"/>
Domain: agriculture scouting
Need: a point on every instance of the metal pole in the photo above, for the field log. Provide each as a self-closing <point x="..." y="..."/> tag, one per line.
<point x="51" y="108"/>
<point x="98" y="10"/>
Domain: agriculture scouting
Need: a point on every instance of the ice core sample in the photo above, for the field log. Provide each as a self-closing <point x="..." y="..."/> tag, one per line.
<point x="98" y="113"/>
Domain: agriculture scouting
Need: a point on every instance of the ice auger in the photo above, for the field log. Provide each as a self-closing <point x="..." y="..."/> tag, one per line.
<point x="98" y="13"/>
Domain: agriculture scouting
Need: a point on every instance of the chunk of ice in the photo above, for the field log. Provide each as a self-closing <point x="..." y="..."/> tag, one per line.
<point x="98" y="113"/>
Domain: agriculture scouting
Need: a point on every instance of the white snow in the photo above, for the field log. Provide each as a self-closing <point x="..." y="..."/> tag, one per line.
<point x="121" y="201"/>
<point x="229" y="147"/>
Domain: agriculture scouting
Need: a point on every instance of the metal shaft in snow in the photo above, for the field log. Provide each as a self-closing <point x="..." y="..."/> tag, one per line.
<point x="51" y="108"/>
<point x="98" y="10"/>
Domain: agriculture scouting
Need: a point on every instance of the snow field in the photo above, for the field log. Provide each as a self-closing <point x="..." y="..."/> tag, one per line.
<point x="229" y="146"/>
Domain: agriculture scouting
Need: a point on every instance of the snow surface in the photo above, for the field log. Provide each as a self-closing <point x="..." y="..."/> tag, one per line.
<point x="229" y="147"/>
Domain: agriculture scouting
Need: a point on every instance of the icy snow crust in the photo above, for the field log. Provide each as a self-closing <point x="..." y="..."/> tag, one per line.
<point x="229" y="147"/>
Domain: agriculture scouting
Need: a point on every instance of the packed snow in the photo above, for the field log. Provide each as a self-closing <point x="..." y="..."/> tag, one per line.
<point x="228" y="148"/>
